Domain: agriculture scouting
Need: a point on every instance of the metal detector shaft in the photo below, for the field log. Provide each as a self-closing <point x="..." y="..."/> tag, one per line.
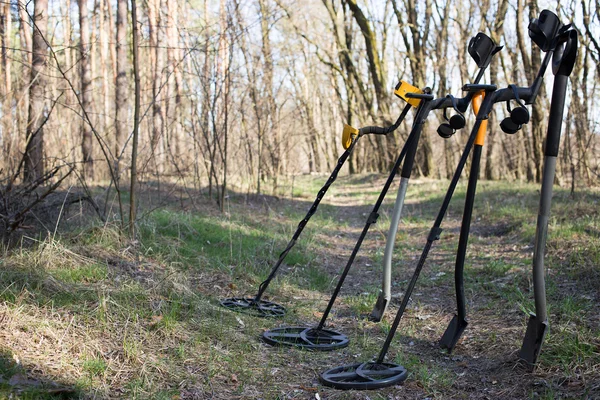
<point x="434" y="233"/>
<point x="367" y="130"/>
<point x="409" y="145"/>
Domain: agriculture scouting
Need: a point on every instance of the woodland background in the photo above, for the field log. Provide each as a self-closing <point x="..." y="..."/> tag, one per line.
<point x="244" y="93"/>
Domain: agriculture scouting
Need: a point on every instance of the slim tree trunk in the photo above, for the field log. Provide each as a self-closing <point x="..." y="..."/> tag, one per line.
<point x="224" y="56"/>
<point x="154" y="20"/>
<point x="25" y="33"/>
<point x="206" y="101"/>
<point x="269" y="92"/>
<point x="34" y="152"/>
<point x="104" y="65"/>
<point x="111" y="28"/>
<point x="136" y="122"/>
<point x="121" y="82"/>
<point x="86" y="87"/>
<point x="174" y="75"/>
<point x="5" y="36"/>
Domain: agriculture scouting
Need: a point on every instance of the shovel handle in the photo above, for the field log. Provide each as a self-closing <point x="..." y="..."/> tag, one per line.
<point x="477" y="99"/>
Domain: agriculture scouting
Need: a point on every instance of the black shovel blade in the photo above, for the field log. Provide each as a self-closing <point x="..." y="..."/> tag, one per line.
<point x="379" y="309"/>
<point x="532" y="343"/>
<point x="453" y="333"/>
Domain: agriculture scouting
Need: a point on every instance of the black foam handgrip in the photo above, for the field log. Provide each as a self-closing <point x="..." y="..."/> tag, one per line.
<point x="377" y="130"/>
<point x="557" y="108"/>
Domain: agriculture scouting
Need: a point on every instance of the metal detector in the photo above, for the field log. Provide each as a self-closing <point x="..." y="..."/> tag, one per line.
<point x="347" y="377"/>
<point x="256" y="305"/>
<point x="565" y="53"/>
<point x="296" y="335"/>
<point x="318" y="338"/>
<point x="482" y="49"/>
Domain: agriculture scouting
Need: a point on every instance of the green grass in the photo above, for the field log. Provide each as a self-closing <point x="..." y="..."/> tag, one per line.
<point x="135" y="320"/>
<point x="208" y="242"/>
<point x="94" y="366"/>
<point x="84" y="274"/>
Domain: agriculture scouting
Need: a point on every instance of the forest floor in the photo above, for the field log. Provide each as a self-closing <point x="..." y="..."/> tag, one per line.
<point x="89" y="314"/>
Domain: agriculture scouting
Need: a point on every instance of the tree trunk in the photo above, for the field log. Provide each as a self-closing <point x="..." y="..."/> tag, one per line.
<point x="34" y="163"/>
<point x="5" y="36"/>
<point x="121" y="82"/>
<point x="175" y="81"/>
<point x="154" y="21"/>
<point x="104" y="64"/>
<point x="136" y="123"/>
<point x="86" y="88"/>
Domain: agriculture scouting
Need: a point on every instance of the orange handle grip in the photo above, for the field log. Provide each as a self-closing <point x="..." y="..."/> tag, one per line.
<point x="477" y="99"/>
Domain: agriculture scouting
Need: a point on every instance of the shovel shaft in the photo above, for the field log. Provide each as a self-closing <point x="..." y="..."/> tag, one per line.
<point x="552" y="144"/>
<point x="464" y="233"/>
<point x="391" y="237"/>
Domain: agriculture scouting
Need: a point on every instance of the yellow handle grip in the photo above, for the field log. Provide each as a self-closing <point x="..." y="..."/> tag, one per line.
<point x="348" y="136"/>
<point x="476" y="101"/>
<point x="403" y="89"/>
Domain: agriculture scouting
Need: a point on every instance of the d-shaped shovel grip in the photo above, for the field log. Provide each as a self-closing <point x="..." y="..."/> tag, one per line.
<point x="562" y="66"/>
<point x="481" y="48"/>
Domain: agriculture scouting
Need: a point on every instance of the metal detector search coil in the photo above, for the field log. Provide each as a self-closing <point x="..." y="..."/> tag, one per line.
<point x="306" y="338"/>
<point x="260" y="308"/>
<point x="365" y="376"/>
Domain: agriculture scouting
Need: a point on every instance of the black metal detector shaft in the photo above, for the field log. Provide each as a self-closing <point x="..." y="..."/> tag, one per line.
<point x="262" y="308"/>
<point x="330" y="340"/>
<point x="562" y="65"/>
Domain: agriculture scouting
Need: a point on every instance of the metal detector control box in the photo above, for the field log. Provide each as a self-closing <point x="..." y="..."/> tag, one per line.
<point x="348" y="136"/>
<point x="403" y="88"/>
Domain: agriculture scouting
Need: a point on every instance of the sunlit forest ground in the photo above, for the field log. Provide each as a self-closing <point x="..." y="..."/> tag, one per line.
<point x="88" y="314"/>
